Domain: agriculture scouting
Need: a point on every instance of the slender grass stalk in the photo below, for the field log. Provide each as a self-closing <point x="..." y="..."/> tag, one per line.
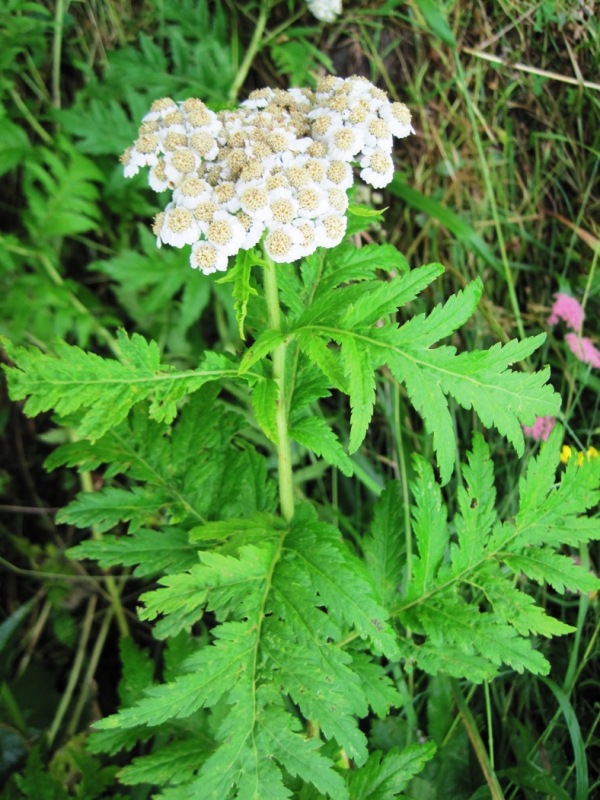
<point x="41" y="132"/>
<point x="90" y="672"/>
<point x="111" y="584"/>
<point x="487" y="179"/>
<point x="488" y="717"/>
<point x="284" y="459"/>
<point x="60" y="10"/>
<point x="65" y="700"/>
<point x="477" y="743"/>
<point x="253" y="48"/>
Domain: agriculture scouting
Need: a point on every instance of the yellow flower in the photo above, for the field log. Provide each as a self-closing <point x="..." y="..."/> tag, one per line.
<point x="565" y="453"/>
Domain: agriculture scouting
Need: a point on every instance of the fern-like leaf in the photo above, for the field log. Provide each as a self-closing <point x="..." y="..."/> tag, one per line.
<point x="105" y="389"/>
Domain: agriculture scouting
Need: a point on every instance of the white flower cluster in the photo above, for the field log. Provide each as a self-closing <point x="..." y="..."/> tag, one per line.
<point x="325" y="10"/>
<point x="278" y="166"/>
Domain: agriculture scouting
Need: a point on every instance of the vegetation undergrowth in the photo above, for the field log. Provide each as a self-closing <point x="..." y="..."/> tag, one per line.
<point x="317" y="528"/>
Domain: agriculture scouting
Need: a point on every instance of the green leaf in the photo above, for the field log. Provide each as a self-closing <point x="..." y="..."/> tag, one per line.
<point x="217" y="584"/>
<point x="105" y="389"/>
<point x="216" y="669"/>
<point x="264" y="405"/>
<point x="341" y="580"/>
<point x="435" y="18"/>
<point x="62" y="196"/>
<point x="240" y="275"/>
<point x="111" y="505"/>
<point x="476" y="502"/>
<point x="379" y="299"/>
<point x="553" y="513"/>
<point x="430" y="527"/>
<point x="300" y="755"/>
<point x="358" y="370"/>
<point x="385" y="546"/>
<point x="561" y="572"/>
<point x="315" y="434"/>
<point x="383" y="777"/>
<point x="265" y="344"/>
<point x="151" y="552"/>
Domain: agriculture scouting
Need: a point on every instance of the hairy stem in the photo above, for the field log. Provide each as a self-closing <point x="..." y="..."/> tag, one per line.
<point x="284" y="460"/>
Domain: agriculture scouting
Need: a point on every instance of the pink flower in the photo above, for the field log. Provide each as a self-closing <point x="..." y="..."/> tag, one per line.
<point x="569" y="310"/>
<point x="584" y="349"/>
<point x="541" y="429"/>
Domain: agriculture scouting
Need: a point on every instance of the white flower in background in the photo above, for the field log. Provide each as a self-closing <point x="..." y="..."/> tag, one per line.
<point x="277" y="168"/>
<point x="325" y="10"/>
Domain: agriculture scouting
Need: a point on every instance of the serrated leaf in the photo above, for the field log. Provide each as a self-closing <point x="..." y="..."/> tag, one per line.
<point x="430" y="527"/>
<point x="105" y="389"/>
<point x="561" y="572"/>
<point x="315" y="434"/>
<point x="239" y="275"/>
<point x="215" y="668"/>
<point x="219" y="583"/>
<point x="384" y="547"/>
<point x="109" y="506"/>
<point x="299" y="755"/>
<point x="151" y="552"/>
<point x="358" y="370"/>
<point x="264" y="405"/>
<point x="350" y="594"/>
<point x="379" y="299"/>
<point x="265" y="344"/>
<point x="380" y="692"/>
<point x="169" y="765"/>
<point x="383" y="777"/>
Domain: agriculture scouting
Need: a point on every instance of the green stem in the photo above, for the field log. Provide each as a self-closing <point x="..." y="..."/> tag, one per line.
<point x="251" y="51"/>
<point x="111" y="584"/>
<point x="477" y="744"/>
<point x="59" y="17"/>
<point x="284" y="459"/>
<point x="75" y="670"/>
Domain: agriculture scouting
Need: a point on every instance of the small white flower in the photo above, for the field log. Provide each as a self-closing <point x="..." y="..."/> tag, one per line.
<point x="226" y="233"/>
<point x="344" y="142"/>
<point x="283" y="206"/>
<point x="157" y="178"/>
<point x="259" y="98"/>
<point x="398" y="119"/>
<point x="254" y="230"/>
<point x="159" y="109"/>
<point x="191" y="192"/>
<point x="181" y="164"/>
<point x="254" y="201"/>
<point x="204" y="143"/>
<point x="282" y="244"/>
<point x="208" y="258"/>
<point x="339" y="173"/>
<point x="377" y="167"/>
<point x="313" y="201"/>
<point x="307" y="229"/>
<point x="330" y="230"/>
<point x="179" y="227"/>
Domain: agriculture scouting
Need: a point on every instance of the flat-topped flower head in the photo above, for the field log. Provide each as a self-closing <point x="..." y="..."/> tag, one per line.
<point x="277" y="168"/>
